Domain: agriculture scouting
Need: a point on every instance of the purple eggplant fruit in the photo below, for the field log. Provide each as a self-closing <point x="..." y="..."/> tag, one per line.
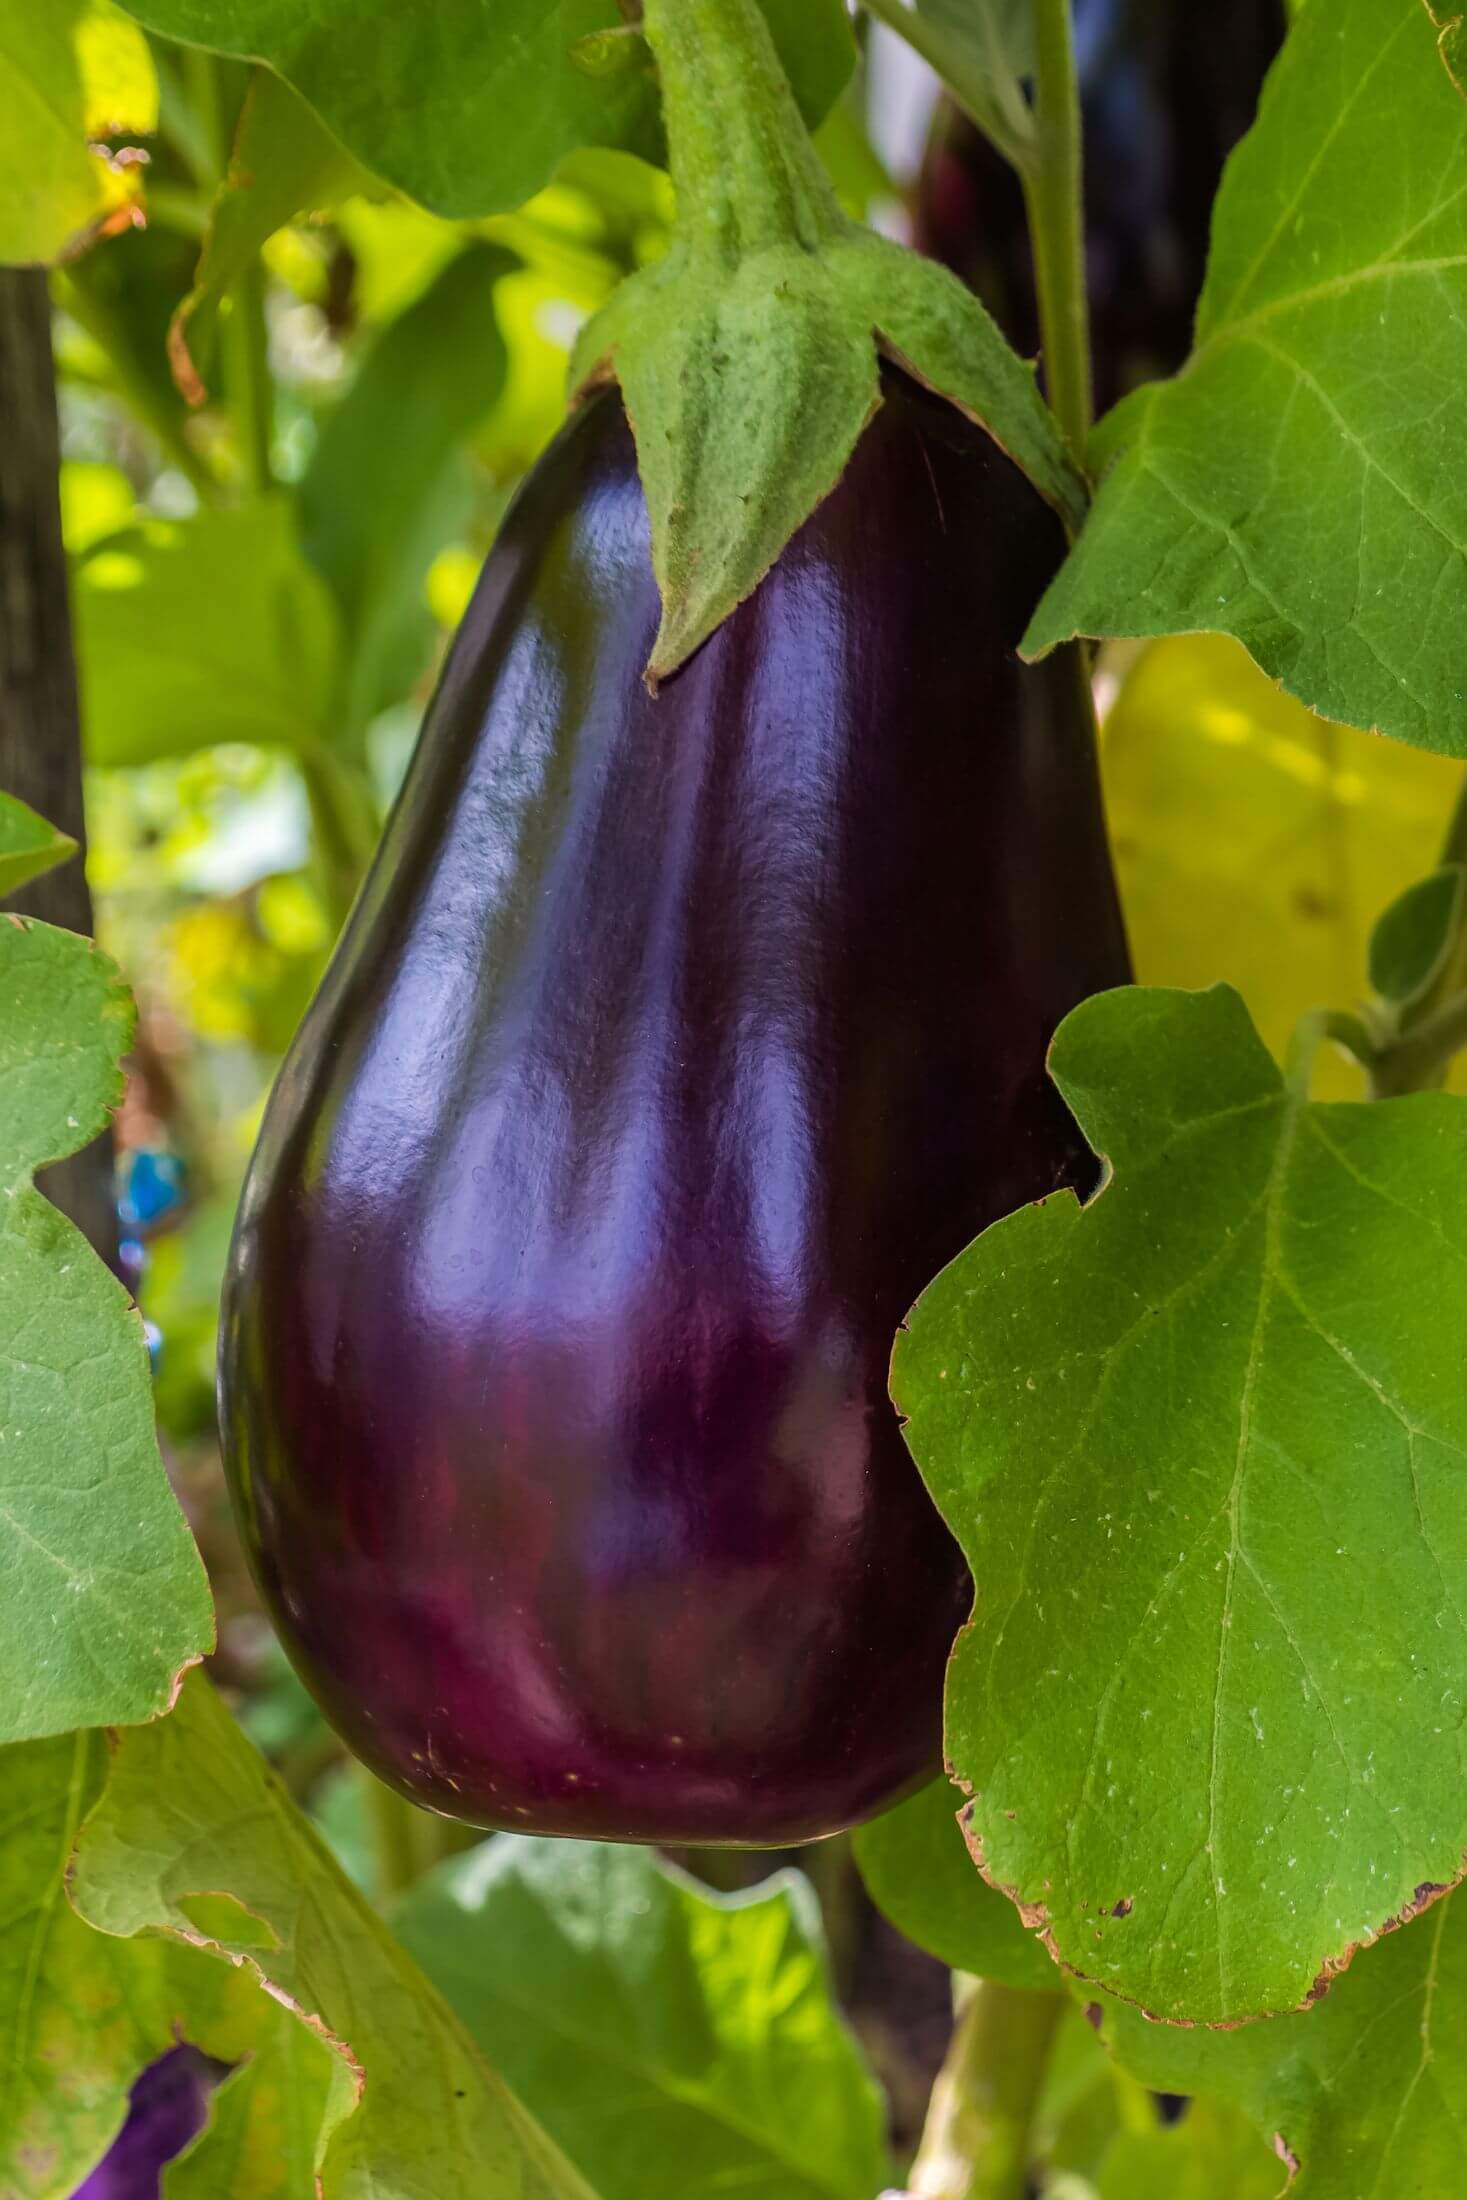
<point x="169" y="2104"/>
<point x="1167" y="89"/>
<point x="674" y="1044"/>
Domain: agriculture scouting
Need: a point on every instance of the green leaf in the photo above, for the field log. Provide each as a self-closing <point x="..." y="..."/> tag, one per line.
<point x="496" y="101"/>
<point x="918" y="1872"/>
<point x="1240" y="820"/>
<point x="375" y="503"/>
<point x="1411" y="939"/>
<point x="103" y="1599"/>
<point x="1361" y="2091"/>
<point x="680" y="2045"/>
<point x="197" y="631"/>
<point x="81" y="2014"/>
<point x="195" y="1838"/>
<point x="284" y="162"/>
<point x="28" y="845"/>
<point x="260" y="2139"/>
<point x="1202" y="1441"/>
<point x="70" y="70"/>
<point x="1212" y="2154"/>
<point x="1302" y="484"/>
<point x="996" y="41"/>
<point x="747" y="357"/>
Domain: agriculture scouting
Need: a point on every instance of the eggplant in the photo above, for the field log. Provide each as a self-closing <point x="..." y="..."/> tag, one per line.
<point x="168" y="2107"/>
<point x="674" y="1043"/>
<point x="1167" y="88"/>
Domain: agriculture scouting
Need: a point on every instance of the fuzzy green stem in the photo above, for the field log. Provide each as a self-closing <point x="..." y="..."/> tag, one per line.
<point x="1419" y="1059"/>
<point x="393" y="1820"/>
<point x="1347" y="1031"/>
<point x="980" y="2125"/>
<point x="345" y="827"/>
<point x="1054" y="196"/>
<point x="746" y="175"/>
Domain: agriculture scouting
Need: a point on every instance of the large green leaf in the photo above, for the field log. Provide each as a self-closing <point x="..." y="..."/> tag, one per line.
<point x="103" y="1599"/>
<point x="496" y="99"/>
<point x="28" y="845"/>
<point x="1203" y="1442"/>
<point x="196" y="1839"/>
<point x="1361" y="2095"/>
<point x="80" y="2013"/>
<point x="1302" y="484"/>
<point x="680" y="2045"/>
<point x="918" y="1872"/>
<point x="70" y="71"/>
<point x="1212" y="2154"/>
<point x="196" y="631"/>
<point x="376" y="502"/>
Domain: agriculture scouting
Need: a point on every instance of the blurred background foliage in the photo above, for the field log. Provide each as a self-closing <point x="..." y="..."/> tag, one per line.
<point x="288" y="441"/>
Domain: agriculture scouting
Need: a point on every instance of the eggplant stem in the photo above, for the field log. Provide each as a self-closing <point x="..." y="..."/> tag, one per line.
<point x="1054" y="195"/>
<point x="980" y="2125"/>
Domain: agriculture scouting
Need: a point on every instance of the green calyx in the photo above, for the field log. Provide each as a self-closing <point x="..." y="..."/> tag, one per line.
<point x="749" y="358"/>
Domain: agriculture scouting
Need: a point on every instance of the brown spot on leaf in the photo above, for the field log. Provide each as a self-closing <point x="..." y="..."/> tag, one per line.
<point x="1286" y="2155"/>
<point x="1123" y="1908"/>
<point x="1093" y="2014"/>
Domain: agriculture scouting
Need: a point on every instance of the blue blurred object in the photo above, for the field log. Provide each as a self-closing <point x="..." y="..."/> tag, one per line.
<point x="170" y="2102"/>
<point x="153" y="1184"/>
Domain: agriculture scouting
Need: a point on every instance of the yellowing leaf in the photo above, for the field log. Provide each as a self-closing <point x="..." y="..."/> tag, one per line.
<point x="1255" y="842"/>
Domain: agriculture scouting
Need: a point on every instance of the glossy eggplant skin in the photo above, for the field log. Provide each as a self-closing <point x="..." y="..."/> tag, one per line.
<point x="673" y="1046"/>
<point x="1167" y="88"/>
<point x="169" y="2106"/>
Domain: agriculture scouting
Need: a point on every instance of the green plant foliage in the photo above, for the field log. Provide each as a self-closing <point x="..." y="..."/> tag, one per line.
<point x="70" y="71"/>
<point x="1298" y="484"/>
<point x="103" y="1599"/>
<point x="284" y="161"/>
<point x="919" y="1873"/>
<point x="260" y="2139"/>
<point x="748" y="356"/>
<point x="1412" y="937"/>
<point x="381" y="495"/>
<point x="202" y="630"/>
<point x="28" y="845"/>
<point x="82" y="2014"/>
<point x="1213" y="2154"/>
<point x="1240" y="822"/>
<point x="471" y="138"/>
<point x="196" y="1839"/>
<point x="1362" y="2090"/>
<point x="1202" y="1442"/>
<point x="622" y="2001"/>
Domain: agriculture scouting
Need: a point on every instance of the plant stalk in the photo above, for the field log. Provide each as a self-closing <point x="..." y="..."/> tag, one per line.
<point x="980" y="2125"/>
<point x="247" y="378"/>
<point x="393" y="1820"/>
<point x="746" y="175"/>
<point x="1054" y="196"/>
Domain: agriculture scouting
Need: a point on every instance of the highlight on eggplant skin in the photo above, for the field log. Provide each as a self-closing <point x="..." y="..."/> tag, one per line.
<point x="673" y="1046"/>
<point x="1167" y="89"/>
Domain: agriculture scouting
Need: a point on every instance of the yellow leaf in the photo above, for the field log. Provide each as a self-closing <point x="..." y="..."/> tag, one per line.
<point x="1256" y="842"/>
